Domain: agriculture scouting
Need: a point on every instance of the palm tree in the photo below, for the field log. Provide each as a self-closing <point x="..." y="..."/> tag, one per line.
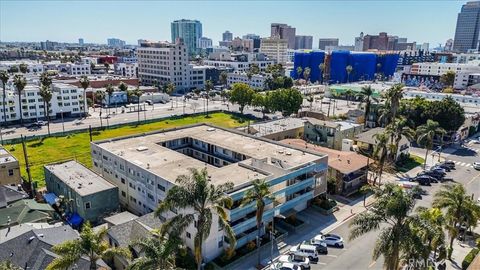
<point x="348" y="94"/>
<point x="458" y="209"/>
<point x="299" y="72"/>
<point x="123" y="87"/>
<point x="398" y="128"/>
<point x="223" y="78"/>
<point x="310" y="99"/>
<point x="425" y="135"/>
<point x="85" y="83"/>
<point x="20" y="82"/>
<point x="107" y="67"/>
<point x="90" y="244"/>
<point x="366" y="96"/>
<point x="390" y="214"/>
<point x="380" y="153"/>
<point x="349" y="70"/>
<point x="23" y="68"/>
<point x="431" y="229"/>
<point x="203" y="199"/>
<point x="259" y="193"/>
<point x="4" y="77"/>
<point x="46" y="95"/>
<point x="138" y="93"/>
<point x="208" y="88"/>
<point x="109" y="89"/>
<point x="306" y="74"/>
<point x="158" y="252"/>
<point x="393" y="96"/>
<point x="170" y="89"/>
<point x="100" y="95"/>
<point x="322" y="68"/>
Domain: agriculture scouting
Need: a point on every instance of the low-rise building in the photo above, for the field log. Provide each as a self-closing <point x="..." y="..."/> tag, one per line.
<point x="462" y="71"/>
<point x="88" y="194"/>
<point x="330" y="134"/>
<point x="9" y="168"/>
<point x="277" y="130"/>
<point x="10" y="194"/>
<point x="129" y="70"/>
<point x="25" y="211"/>
<point x="365" y="142"/>
<point x="145" y="167"/>
<point x="257" y="81"/>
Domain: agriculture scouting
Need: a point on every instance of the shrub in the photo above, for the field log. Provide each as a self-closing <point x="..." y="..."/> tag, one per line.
<point x="469" y="258"/>
<point x="251" y="245"/>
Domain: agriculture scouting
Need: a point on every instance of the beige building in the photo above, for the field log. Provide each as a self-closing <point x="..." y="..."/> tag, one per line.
<point x="9" y="168"/>
<point x="275" y="49"/>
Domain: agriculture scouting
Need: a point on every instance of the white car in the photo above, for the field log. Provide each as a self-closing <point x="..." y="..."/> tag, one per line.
<point x="301" y="261"/>
<point x="476" y="165"/>
<point x="308" y="251"/>
<point x="333" y="240"/>
<point x="284" y="266"/>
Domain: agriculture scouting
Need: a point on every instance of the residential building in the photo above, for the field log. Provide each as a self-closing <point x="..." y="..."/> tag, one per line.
<point x="189" y="31"/>
<point x="25" y="211"/>
<point x="256" y="40"/>
<point x="383" y="42"/>
<point x="467" y="32"/>
<point x="324" y="42"/>
<point x="277" y="130"/>
<point x="227" y="36"/>
<point x="115" y="42"/>
<point x="147" y="166"/>
<point x="303" y="42"/>
<point x="257" y="81"/>
<point x="466" y="58"/>
<point x="330" y="134"/>
<point x="48" y="45"/>
<point x="365" y="142"/>
<point x="448" y="45"/>
<point x="238" y="62"/>
<point x="285" y="32"/>
<point x="242" y="45"/>
<point x="10" y="194"/>
<point x="348" y="169"/>
<point x="75" y="69"/>
<point x="9" y="168"/>
<point x="359" y="42"/>
<point x="473" y="79"/>
<point x="462" y="99"/>
<point x="129" y="70"/>
<point x="29" y="246"/>
<point x="33" y="67"/>
<point x="81" y="41"/>
<point x="91" y="196"/>
<point x="462" y="71"/>
<point x="204" y="43"/>
<point x="275" y="49"/>
<point x="197" y="76"/>
<point x="163" y="62"/>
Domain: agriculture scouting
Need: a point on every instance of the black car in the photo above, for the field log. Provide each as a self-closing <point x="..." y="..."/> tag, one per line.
<point x="444" y="166"/>
<point x="438" y="175"/>
<point x="433" y="179"/>
<point x="321" y="248"/>
<point x="449" y="163"/>
<point x="423" y="180"/>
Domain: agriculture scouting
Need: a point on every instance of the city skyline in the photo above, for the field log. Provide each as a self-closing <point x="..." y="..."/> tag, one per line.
<point x="130" y="21"/>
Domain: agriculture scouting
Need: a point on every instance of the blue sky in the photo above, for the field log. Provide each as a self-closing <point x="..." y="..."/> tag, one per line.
<point x="95" y="21"/>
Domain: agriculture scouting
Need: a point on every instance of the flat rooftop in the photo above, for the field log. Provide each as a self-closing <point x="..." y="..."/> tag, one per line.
<point x="265" y="158"/>
<point x="6" y="157"/>
<point x="79" y="178"/>
<point x="275" y="126"/>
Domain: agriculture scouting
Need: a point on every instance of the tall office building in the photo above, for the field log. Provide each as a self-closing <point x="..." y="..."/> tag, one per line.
<point x="204" y="43"/>
<point x="275" y="49"/>
<point x="256" y="40"/>
<point x="324" y="42"/>
<point x="189" y="31"/>
<point x="115" y="42"/>
<point x="284" y="31"/>
<point x="467" y="33"/>
<point x="303" y="42"/>
<point x="227" y="36"/>
<point x="80" y="41"/>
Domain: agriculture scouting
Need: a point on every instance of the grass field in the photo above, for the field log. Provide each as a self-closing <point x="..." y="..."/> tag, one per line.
<point x="410" y="163"/>
<point x="77" y="146"/>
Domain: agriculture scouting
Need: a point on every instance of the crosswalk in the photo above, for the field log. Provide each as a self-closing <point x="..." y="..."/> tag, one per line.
<point x="463" y="164"/>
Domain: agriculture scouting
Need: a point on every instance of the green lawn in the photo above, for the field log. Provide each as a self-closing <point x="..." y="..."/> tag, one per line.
<point x="411" y="162"/>
<point x="77" y="146"/>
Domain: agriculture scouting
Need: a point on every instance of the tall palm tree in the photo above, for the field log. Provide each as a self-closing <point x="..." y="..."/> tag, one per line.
<point x="138" y="93"/>
<point x="4" y="77"/>
<point x="259" y="193"/>
<point x="203" y="199"/>
<point x="380" y="152"/>
<point x="170" y="89"/>
<point x="425" y="135"/>
<point x="366" y="96"/>
<point x="109" y="89"/>
<point x="349" y="70"/>
<point x="85" y="83"/>
<point x="20" y="82"/>
<point x="299" y="72"/>
<point x="393" y="96"/>
<point x="398" y="128"/>
<point x="90" y="244"/>
<point x="310" y="99"/>
<point x="158" y="252"/>
<point x="390" y="214"/>
<point x="431" y="229"/>
<point x="322" y="67"/>
<point x="100" y="95"/>
<point x="46" y="95"/>
<point x="208" y="88"/>
<point x="349" y="94"/>
<point x="306" y="74"/>
<point x="223" y="78"/>
<point x="458" y="209"/>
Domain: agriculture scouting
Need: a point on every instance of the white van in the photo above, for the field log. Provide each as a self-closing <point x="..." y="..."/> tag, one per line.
<point x="304" y="250"/>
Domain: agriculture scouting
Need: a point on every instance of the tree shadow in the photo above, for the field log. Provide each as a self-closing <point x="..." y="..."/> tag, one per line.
<point x="37" y="143"/>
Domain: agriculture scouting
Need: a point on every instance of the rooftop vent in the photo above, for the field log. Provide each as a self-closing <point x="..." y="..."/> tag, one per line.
<point x="210" y="129"/>
<point x="288" y="153"/>
<point x="142" y="148"/>
<point x="31" y="239"/>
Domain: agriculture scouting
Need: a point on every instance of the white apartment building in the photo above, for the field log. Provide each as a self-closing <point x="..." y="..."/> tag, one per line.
<point x="257" y="81"/>
<point x="196" y="76"/>
<point x="462" y="99"/>
<point x="129" y="70"/>
<point x="76" y="69"/>
<point x="33" y="67"/>
<point x="275" y="49"/>
<point x="466" y="58"/>
<point x="163" y="62"/>
<point x="66" y="99"/>
<point x="237" y="65"/>
<point x="462" y="71"/>
<point x="145" y="167"/>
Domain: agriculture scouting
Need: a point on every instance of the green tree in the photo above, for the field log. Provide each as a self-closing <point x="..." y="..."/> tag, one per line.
<point x="310" y="99"/>
<point x="138" y="93"/>
<point x="448" y="78"/>
<point x="90" y="244"/>
<point x="389" y="214"/>
<point x="208" y="88"/>
<point x="159" y="252"/>
<point x="109" y="90"/>
<point x="306" y="74"/>
<point x="322" y="68"/>
<point x="4" y="77"/>
<point x="23" y="68"/>
<point x="107" y="67"/>
<point x="393" y="96"/>
<point x="366" y="96"/>
<point x="223" y="78"/>
<point x="197" y="193"/>
<point x="262" y="101"/>
<point x="258" y="194"/>
<point x="20" y="82"/>
<point x="7" y="265"/>
<point x="123" y="87"/>
<point x="431" y="231"/>
<point x="447" y="112"/>
<point x="299" y="72"/>
<point x="287" y="101"/>
<point x="380" y="153"/>
<point x="46" y="95"/>
<point x="170" y="89"/>
<point x="85" y="83"/>
<point x="349" y="70"/>
<point x="399" y="128"/>
<point x="242" y="95"/>
<point x="349" y="94"/>
<point x="100" y="96"/>
<point x="425" y="135"/>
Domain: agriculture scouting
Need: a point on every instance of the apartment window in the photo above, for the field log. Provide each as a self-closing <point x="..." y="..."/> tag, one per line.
<point x="162" y="188"/>
<point x="88" y="205"/>
<point x="189" y="236"/>
<point x="10" y="172"/>
<point x="123" y="180"/>
<point x="124" y="194"/>
<point x="220" y="243"/>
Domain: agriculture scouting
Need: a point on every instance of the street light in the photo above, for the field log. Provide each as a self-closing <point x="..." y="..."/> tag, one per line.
<point x="63" y="123"/>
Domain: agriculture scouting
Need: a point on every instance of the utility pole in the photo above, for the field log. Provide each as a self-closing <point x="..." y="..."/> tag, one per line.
<point x="90" y="132"/>
<point x="27" y="166"/>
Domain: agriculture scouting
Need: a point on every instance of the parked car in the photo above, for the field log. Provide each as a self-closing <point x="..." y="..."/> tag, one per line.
<point x="422" y="180"/>
<point x="308" y="251"/>
<point x="437" y="175"/>
<point x="431" y="178"/>
<point x="319" y="244"/>
<point x="445" y="166"/>
<point x="449" y="163"/>
<point x="438" y="169"/>
<point x="301" y="261"/>
<point x="476" y="165"/>
<point x="284" y="266"/>
<point x="333" y="240"/>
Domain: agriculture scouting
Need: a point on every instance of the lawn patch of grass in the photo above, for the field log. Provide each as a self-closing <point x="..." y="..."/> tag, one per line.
<point x="77" y="146"/>
<point x="409" y="163"/>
